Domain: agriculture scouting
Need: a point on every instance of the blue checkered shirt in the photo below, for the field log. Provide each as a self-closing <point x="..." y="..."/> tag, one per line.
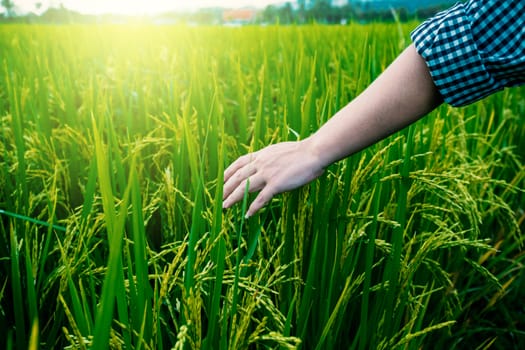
<point x="474" y="48"/>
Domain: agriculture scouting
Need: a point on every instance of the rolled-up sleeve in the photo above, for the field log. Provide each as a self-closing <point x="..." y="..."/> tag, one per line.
<point x="474" y="49"/>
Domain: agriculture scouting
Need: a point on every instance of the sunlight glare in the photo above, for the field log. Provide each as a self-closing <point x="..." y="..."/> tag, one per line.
<point x="137" y="7"/>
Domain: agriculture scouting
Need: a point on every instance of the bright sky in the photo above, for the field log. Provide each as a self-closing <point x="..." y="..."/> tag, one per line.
<point x="135" y="6"/>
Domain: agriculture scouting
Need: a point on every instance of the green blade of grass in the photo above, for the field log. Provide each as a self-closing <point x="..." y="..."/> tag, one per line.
<point x="144" y="293"/>
<point x="18" y="304"/>
<point x="115" y="224"/>
<point x="34" y="221"/>
<point x="235" y="296"/>
<point x="31" y="296"/>
<point x="218" y="256"/>
<point x="197" y="228"/>
<point x="366" y="336"/>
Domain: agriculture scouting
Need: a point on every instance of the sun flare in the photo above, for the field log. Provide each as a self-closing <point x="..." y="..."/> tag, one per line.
<point x="135" y="7"/>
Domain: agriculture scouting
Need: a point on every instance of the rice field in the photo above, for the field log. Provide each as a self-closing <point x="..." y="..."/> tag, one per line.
<point x="113" y="143"/>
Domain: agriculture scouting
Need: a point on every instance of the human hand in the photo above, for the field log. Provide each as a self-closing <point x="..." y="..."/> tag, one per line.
<point x="275" y="169"/>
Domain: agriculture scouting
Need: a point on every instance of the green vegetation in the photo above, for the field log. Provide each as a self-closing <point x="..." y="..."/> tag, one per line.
<point x="113" y="143"/>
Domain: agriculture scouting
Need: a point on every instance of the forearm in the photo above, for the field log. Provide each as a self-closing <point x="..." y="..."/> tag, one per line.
<point x="403" y="93"/>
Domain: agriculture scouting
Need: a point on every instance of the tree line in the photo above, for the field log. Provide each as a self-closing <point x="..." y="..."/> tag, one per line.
<point x="301" y="12"/>
<point x="322" y="11"/>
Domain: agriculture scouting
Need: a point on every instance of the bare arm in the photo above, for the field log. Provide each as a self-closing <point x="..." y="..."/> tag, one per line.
<point x="402" y="94"/>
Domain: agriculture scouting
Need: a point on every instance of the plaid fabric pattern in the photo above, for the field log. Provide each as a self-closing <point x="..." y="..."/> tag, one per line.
<point x="474" y="49"/>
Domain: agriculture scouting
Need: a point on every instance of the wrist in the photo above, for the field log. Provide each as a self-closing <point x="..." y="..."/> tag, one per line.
<point x="315" y="149"/>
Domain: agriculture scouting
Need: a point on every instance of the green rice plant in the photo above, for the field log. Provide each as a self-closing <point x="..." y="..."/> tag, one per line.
<point x="112" y="232"/>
